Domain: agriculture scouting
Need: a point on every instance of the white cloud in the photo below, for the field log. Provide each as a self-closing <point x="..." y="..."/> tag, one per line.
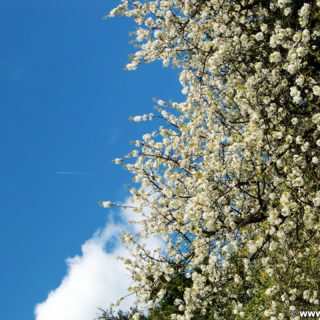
<point x="96" y="278"/>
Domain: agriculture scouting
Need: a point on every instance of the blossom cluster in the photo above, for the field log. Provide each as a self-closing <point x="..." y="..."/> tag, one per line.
<point x="231" y="180"/>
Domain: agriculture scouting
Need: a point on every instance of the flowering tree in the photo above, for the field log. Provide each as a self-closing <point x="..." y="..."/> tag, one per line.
<point x="230" y="180"/>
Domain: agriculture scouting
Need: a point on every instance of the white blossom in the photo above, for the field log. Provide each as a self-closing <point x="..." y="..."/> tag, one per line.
<point x="229" y="179"/>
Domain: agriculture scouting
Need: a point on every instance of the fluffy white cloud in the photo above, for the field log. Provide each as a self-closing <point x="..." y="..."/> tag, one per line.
<point x="97" y="278"/>
<point x="93" y="280"/>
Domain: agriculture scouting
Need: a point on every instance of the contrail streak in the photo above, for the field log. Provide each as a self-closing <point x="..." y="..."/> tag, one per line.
<point x="75" y="173"/>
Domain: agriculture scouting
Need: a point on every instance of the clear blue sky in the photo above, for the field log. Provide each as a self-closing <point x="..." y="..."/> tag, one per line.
<point x="64" y="107"/>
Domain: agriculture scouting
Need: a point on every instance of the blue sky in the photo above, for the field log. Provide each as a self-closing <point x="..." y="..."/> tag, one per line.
<point x="64" y="108"/>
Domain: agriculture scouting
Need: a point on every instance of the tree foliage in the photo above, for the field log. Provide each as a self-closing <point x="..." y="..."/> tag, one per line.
<point x="230" y="179"/>
<point x="117" y="315"/>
